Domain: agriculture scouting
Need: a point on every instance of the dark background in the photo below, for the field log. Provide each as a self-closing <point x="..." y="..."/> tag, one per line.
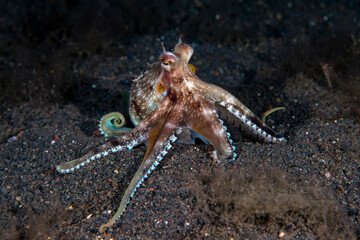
<point x="42" y="40"/>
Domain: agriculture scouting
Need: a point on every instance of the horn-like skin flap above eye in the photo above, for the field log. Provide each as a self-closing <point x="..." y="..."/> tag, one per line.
<point x="184" y="51"/>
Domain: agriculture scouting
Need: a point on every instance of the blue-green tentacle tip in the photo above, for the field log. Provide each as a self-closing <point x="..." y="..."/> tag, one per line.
<point x="112" y="124"/>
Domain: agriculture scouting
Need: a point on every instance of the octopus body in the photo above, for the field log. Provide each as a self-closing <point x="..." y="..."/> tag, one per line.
<point x="168" y="101"/>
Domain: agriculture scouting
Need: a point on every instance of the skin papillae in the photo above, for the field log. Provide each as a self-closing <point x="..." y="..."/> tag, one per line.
<point x="168" y="101"/>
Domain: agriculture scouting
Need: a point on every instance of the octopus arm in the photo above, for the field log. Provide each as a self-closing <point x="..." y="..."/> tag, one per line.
<point x="252" y="124"/>
<point x="161" y="137"/>
<point x="248" y="119"/>
<point x="207" y="123"/>
<point x="128" y="141"/>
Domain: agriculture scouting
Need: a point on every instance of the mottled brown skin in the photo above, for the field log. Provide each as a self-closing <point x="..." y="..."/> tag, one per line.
<point x="148" y="90"/>
<point x="167" y="99"/>
<point x="191" y="108"/>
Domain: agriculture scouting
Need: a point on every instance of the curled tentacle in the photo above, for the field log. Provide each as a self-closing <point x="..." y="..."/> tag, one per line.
<point x="112" y="125"/>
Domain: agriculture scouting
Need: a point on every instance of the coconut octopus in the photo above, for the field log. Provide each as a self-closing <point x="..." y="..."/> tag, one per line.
<point x="169" y="102"/>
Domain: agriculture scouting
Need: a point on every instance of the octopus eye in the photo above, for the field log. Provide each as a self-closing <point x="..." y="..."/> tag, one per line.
<point x="167" y="58"/>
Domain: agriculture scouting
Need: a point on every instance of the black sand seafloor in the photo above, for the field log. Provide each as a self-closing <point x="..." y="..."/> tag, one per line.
<point x="64" y="64"/>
